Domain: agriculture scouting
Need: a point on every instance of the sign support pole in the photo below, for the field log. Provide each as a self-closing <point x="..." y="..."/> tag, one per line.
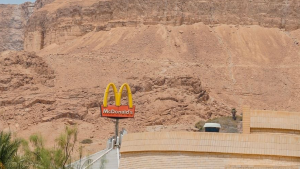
<point x="117" y="128"/>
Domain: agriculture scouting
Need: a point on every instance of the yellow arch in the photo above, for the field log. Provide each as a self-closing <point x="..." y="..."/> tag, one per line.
<point x="107" y="91"/>
<point x="130" y="103"/>
<point x="118" y="95"/>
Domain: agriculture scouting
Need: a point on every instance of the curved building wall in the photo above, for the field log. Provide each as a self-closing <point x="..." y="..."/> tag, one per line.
<point x="265" y="121"/>
<point x="209" y="150"/>
<point x="190" y="160"/>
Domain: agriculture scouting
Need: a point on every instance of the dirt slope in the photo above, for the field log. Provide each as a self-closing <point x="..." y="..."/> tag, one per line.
<point x="64" y="20"/>
<point x="239" y="64"/>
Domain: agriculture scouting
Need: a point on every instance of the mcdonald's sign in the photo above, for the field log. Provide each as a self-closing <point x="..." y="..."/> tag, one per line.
<point x="118" y="111"/>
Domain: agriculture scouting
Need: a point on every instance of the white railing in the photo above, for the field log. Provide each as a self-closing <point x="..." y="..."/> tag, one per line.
<point x="87" y="162"/>
<point x="112" y="146"/>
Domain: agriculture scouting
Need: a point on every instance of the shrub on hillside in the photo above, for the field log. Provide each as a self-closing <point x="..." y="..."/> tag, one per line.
<point x="57" y="157"/>
<point x="86" y="141"/>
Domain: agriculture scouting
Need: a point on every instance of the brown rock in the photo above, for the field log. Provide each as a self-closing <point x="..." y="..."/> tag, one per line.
<point x="46" y="119"/>
<point x="71" y="122"/>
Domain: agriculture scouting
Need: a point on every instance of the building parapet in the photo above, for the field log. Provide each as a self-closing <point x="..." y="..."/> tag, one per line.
<point x="265" y="121"/>
<point x="250" y="144"/>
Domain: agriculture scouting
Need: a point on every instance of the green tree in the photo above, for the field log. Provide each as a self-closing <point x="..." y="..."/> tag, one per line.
<point x="40" y="157"/>
<point x="66" y="143"/>
<point x="9" y="158"/>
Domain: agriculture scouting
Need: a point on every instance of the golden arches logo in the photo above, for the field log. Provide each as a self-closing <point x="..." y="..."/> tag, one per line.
<point x="118" y="111"/>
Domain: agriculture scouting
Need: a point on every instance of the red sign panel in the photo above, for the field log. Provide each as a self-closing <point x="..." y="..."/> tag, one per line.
<point x="117" y="111"/>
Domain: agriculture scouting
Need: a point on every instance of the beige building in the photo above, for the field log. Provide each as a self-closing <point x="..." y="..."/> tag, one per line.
<point x="270" y="140"/>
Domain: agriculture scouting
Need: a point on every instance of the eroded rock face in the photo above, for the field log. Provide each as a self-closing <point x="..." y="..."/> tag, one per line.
<point x="41" y="3"/>
<point x="173" y="98"/>
<point x="23" y="69"/>
<point x="32" y="104"/>
<point x="13" y="19"/>
<point x="75" y="19"/>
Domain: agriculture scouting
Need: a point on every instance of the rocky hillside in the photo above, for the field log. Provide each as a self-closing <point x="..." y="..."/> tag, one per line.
<point x="185" y="61"/>
<point x="64" y="20"/>
<point x="41" y="3"/>
<point x="13" y="19"/>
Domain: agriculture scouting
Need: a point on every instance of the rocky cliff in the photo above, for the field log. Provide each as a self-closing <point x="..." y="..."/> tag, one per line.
<point x="13" y="19"/>
<point x="180" y="71"/>
<point x="41" y="3"/>
<point x="61" y="21"/>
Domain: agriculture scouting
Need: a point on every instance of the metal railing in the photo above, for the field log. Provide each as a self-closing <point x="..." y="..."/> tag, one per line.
<point x="89" y="161"/>
<point x="101" y="155"/>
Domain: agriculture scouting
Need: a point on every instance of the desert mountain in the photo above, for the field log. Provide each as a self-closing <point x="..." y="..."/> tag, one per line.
<point x="184" y="60"/>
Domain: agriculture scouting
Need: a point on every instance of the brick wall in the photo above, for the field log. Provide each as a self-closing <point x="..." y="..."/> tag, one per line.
<point x="176" y="160"/>
<point x="256" y="144"/>
<point x="265" y="121"/>
<point x="275" y="131"/>
<point x="220" y="150"/>
<point x="260" y="167"/>
<point x="246" y="120"/>
<point x="275" y="119"/>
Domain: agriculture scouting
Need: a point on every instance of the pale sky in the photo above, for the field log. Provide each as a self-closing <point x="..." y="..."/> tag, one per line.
<point x="14" y="1"/>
